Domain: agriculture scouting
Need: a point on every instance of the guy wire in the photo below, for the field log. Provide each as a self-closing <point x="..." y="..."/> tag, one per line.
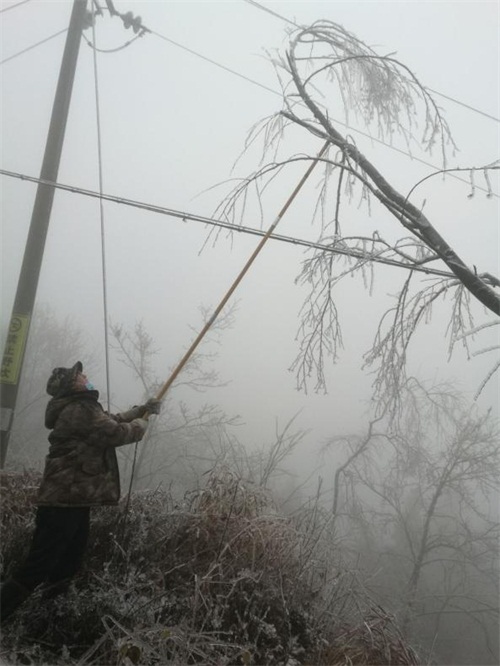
<point x="103" y="263"/>
<point x="101" y="211"/>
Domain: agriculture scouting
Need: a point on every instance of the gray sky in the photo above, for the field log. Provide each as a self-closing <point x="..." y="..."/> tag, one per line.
<point x="173" y="125"/>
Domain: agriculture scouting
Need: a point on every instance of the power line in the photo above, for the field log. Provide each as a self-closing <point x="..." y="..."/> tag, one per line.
<point x="273" y="13"/>
<point x="352" y="129"/>
<point x="214" y="62"/>
<point x="18" y="4"/>
<point x="466" y="106"/>
<point x="257" y="5"/>
<point x="172" y="212"/>
<point x="264" y="87"/>
<point x="33" y="46"/>
<point x="56" y="34"/>
<point x="114" y="50"/>
<point x="101" y="218"/>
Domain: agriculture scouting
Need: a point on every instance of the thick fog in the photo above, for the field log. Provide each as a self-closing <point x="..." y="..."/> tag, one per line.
<point x="172" y="126"/>
<point x="175" y="109"/>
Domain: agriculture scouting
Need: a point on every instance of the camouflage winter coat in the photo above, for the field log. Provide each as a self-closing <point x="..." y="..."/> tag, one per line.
<point x="81" y="468"/>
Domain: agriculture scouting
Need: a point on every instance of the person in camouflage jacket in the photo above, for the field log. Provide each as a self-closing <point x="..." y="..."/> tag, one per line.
<point x="81" y="471"/>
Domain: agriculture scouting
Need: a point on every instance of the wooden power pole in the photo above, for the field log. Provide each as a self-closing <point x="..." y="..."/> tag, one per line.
<point x="13" y="357"/>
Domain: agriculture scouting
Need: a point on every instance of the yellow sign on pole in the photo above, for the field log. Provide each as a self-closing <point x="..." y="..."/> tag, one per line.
<point x="14" y="349"/>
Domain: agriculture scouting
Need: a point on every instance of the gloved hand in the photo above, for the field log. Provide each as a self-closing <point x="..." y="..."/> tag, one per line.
<point x="153" y="406"/>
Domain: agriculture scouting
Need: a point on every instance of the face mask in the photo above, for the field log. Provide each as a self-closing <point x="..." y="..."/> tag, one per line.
<point x="89" y="386"/>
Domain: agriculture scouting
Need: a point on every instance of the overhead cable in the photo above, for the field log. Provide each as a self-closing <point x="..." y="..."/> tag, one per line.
<point x="101" y="219"/>
<point x="33" y="46"/>
<point x="172" y="212"/>
<point x="466" y="106"/>
<point x="18" y="4"/>
<point x="114" y="50"/>
<point x="258" y="5"/>
<point x="214" y="62"/>
<point x="273" y="13"/>
<point x="275" y="92"/>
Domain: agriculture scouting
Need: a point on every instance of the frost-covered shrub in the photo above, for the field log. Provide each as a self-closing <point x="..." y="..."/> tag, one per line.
<point x="219" y="577"/>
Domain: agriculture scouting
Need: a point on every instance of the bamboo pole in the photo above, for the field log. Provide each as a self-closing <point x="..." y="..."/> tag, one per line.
<point x="238" y="279"/>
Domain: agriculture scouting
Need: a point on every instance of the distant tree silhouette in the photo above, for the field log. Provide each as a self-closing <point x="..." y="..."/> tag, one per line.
<point x="421" y="497"/>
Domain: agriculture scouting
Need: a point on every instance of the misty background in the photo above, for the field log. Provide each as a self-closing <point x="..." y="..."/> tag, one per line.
<point x="174" y="120"/>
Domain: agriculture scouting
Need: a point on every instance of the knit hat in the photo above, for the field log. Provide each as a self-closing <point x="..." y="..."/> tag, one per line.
<point x="61" y="379"/>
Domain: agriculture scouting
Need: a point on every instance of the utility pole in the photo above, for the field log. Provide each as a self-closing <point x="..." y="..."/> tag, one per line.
<point x="13" y="357"/>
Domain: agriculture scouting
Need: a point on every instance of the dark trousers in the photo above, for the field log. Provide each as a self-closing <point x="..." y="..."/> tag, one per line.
<point x="57" y="547"/>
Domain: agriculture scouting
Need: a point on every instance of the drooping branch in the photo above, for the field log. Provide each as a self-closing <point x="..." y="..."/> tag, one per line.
<point x="326" y="69"/>
<point x="407" y="214"/>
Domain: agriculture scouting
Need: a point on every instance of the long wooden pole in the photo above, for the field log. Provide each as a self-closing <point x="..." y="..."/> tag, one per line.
<point x="239" y="278"/>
